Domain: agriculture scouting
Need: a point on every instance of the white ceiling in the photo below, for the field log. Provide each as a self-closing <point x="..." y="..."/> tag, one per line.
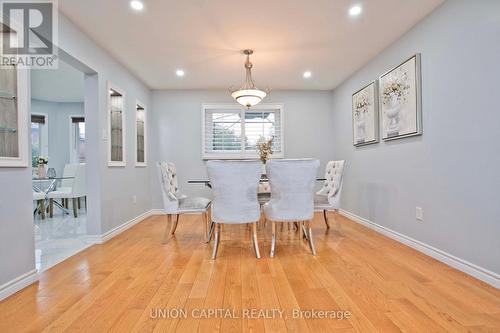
<point x="205" y="38"/>
<point x="64" y="84"/>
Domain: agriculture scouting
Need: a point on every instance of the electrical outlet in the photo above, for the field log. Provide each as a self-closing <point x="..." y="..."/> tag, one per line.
<point x="134" y="199"/>
<point x="419" y="213"/>
<point x="104" y="135"/>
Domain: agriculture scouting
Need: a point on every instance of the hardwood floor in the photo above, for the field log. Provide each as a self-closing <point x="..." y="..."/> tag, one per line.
<point x="379" y="284"/>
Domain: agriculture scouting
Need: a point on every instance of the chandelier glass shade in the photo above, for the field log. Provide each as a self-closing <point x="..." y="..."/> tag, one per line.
<point x="249" y="95"/>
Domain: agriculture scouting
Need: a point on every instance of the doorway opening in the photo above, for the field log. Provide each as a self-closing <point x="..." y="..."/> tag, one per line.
<point x="59" y="161"/>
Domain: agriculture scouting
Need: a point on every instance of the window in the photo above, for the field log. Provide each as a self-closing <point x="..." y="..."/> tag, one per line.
<point x="77" y="152"/>
<point x="39" y="137"/>
<point x="116" y="107"/>
<point x="140" y="134"/>
<point x="233" y="132"/>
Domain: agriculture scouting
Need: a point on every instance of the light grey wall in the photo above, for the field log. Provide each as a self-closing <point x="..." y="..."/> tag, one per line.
<point x="110" y="203"/>
<point x="58" y="123"/>
<point x="452" y="171"/>
<point x="117" y="184"/>
<point x="17" y="246"/>
<point x="177" y="130"/>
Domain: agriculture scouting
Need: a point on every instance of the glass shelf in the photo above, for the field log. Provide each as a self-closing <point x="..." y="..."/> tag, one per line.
<point x="7" y="95"/>
<point x="8" y="129"/>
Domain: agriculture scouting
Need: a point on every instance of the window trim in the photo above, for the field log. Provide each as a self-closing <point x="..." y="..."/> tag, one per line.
<point x="143" y="105"/>
<point x="123" y="162"/>
<point x="44" y="133"/>
<point x="242" y="154"/>
<point x="72" y="152"/>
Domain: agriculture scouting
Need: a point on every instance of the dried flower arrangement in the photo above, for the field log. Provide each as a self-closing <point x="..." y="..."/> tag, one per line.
<point x="265" y="148"/>
<point x="397" y="85"/>
<point x="42" y="160"/>
<point x="361" y="104"/>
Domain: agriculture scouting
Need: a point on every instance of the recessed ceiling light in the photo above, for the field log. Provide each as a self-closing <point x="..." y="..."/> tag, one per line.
<point x="136" y="5"/>
<point x="355" y="10"/>
<point x="307" y="74"/>
<point x="179" y="72"/>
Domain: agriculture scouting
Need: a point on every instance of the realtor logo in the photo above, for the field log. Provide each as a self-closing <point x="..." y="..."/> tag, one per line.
<point x="29" y="32"/>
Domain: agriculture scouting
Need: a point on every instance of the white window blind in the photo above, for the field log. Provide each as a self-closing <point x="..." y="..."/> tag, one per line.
<point x="233" y="132"/>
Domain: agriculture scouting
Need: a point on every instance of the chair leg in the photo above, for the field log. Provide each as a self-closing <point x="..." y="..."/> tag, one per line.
<point x="174" y="226"/>
<point x="51" y="207"/>
<point x="301" y="230"/>
<point x="326" y="219"/>
<point x="42" y="208"/>
<point x="255" y="243"/>
<point x="310" y="238"/>
<point x="273" y="239"/>
<point x="211" y="230"/>
<point x="78" y="200"/>
<point x="75" y="208"/>
<point x="166" y="233"/>
<point x="304" y="232"/>
<point x="216" y="241"/>
<point x="205" y="222"/>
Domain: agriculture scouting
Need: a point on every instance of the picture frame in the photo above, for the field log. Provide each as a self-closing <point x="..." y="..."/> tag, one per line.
<point x="365" y="114"/>
<point x="400" y="100"/>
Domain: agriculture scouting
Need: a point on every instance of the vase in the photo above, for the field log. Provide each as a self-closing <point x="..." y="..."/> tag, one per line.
<point x="41" y="171"/>
<point x="361" y="127"/>
<point x="393" y="114"/>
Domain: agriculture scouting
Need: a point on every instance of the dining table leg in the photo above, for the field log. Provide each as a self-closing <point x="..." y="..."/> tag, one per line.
<point x="42" y="208"/>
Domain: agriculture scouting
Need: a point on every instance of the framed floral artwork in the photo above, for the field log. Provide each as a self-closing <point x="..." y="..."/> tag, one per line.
<point x="365" y="115"/>
<point x="400" y="100"/>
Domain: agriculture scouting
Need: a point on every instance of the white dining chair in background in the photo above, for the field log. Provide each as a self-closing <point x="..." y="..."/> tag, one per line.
<point x="328" y="198"/>
<point x="234" y="185"/>
<point x="68" y="176"/>
<point x="175" y="203"/>
<point x="39" y="197"/>
<point x="76" y="190"/>
<point x="292" y="195"/>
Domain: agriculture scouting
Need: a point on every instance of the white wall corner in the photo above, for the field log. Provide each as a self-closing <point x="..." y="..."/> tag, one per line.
<point x="478" y="272"/>
<point x="17" y="284"/>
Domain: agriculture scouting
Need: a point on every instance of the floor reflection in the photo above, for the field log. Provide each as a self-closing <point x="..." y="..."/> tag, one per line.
<point x="59" y="237"/>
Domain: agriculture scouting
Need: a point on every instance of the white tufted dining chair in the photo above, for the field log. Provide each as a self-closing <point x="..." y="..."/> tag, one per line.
<point x="175" y="203"/>
<point x="234" y="185"/>
<point x="328" y="198"/>
<point x="292" y="195"/>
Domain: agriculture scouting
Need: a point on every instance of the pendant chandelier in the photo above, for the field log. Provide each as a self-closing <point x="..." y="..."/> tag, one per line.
<point x="249" y="95"/>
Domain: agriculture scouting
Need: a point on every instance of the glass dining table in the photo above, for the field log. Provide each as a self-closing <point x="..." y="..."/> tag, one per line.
<point x="263" y="179"/>
<point x="263" y="197"/>
<point x="46" y="185"/>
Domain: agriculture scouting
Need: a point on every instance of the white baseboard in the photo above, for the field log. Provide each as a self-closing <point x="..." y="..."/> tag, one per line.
<point x="157" y="211"/>
<point x="18" y="283"/>
<point x="26" y="279"/>
<point x="101" y="239"/>
<point x="478" y="272"/>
